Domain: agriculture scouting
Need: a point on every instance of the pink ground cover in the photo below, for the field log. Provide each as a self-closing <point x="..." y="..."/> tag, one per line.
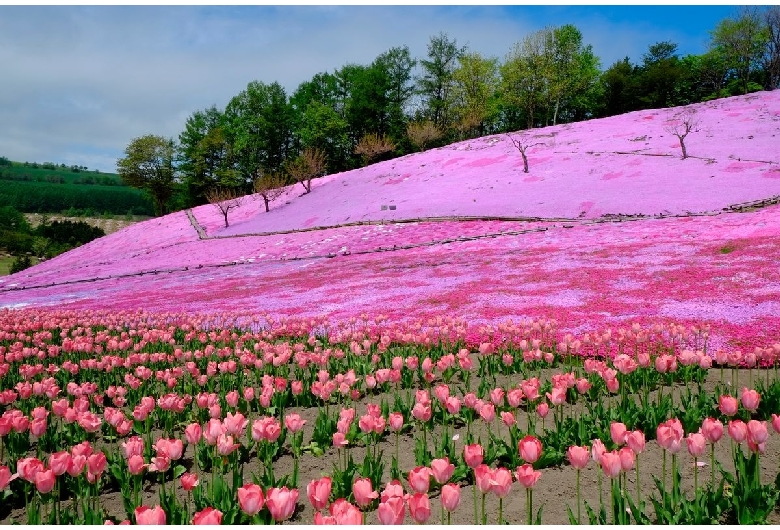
<point x="719" y="270"/>
<point x="575" y="173"/>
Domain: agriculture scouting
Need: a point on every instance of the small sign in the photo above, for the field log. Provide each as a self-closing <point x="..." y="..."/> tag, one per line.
<point x="392" y="206"/>
<point x="384" y="207"/>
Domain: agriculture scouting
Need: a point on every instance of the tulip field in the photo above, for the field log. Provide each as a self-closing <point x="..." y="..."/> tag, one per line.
<point x="594" y="342"/>
<point x="141" y="418"/>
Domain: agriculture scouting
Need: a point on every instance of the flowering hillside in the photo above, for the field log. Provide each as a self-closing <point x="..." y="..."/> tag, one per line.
<point x="570" y="261"/>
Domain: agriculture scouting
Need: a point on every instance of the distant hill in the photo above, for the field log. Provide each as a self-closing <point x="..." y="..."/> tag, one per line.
<point x="51" y="188"/>
<point x="609" y="226"/>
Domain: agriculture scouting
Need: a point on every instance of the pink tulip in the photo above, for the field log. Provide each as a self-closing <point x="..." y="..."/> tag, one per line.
<point x="250" y="499"/>
<point x="420" y="479"/>
<point x="59" y="462"/>
<point x="442" y="470"/>
<point x="627" y="458"/>
<point x="597" y="449"/>
<point x="235" y="424"/>
<point x="193" y="433"/>
<point x="281" y="502"/>
<point x="776" y="423"/>
<point x="558" y="395"/>
<point x="189" y="481"/>
<point x="363" y="491"/>
<point x="617" y="432"/>
<point x="452" y="404"/>
<point x="527" y="476"/>
<point x="696" y="444"/>
<point x="6" y="477"/>
<point x="396" y="421"/>
<point x="482" y="478"/>
<point x="636" y="441"/>
<point x="583" y="385"/>
<point x="318" y="492"/>
<point x="501" y="482"/>
<point x="419" y="507"/>
<point x="578" y="456"/>
<point x="44" y="481"/>
<point x="145" y="515"/>
<point x="738" y="431"/>
<point x="136" y="464"/>
<point x="294" y="423"/>
<point x="225" y="445"/>
<point x="392" y="489"/>
<point x="750" y="399"/>
<point x="712" y="429"/>
<point x="473" y="455"/>
<point x="450" y="496"/>
<point x="345" y="513"/>
<point x="757" y="432"/>
<point x="208" y="516"/>
<point x="543" y="409"/>
<point x="611" y="464"/>
<point x="670" y="435"/>
<point x="391" y="511"/>
<point x="530" y="449"/>
<point x="728" y="405"/>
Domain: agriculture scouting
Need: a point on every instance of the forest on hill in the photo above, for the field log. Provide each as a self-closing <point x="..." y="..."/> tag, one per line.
<point x="398" y="104"/>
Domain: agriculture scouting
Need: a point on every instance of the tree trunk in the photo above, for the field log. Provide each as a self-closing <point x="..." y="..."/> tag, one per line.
<point x="265" y="199"/>
<point x="225" y="213"/>
<point x="682" y="146"/>
<point x="525" y="161"/>
<point x="555" y="114"/>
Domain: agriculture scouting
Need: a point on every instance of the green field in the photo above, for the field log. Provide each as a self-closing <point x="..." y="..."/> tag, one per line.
<point x="48" y="188"/>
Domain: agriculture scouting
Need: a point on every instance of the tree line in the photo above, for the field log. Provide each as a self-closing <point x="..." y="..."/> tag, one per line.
<point x="359" y="114"/>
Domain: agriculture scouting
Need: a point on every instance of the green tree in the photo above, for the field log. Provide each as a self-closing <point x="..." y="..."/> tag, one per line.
<point x="660" y="75"/>
<point x="771" y="58"/>
<point x="524" y="76"/>
<point x="436" y="83"/>
<point x="474" y="94"/>
<point x="148" y="165"/>
<point x="258" y="128"/>
<point x="620" y="85"/>
<point x="742" y="41"/>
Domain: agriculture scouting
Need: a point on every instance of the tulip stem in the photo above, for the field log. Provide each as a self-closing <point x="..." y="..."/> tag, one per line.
<point x="500" y="510"/>
<point x="476" y="519"/>
<point x="529" y="497"/>
<point x="579" y="517"/>
<point x="484" y="515"/>
<point x="637" y="481"/>
<point x="712" y="463"/>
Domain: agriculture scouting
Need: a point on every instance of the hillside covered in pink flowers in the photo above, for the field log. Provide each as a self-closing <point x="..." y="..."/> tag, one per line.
<point x="609" y="227"/>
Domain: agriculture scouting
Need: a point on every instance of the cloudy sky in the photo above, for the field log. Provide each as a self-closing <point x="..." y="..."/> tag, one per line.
<point x="77" y="84"/>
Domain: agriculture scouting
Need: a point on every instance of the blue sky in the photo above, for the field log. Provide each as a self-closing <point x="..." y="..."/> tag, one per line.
<point x="79" y="83"/>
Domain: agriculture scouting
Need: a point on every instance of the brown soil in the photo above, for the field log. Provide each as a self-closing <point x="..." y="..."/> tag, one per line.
<point x="556" y="490"/>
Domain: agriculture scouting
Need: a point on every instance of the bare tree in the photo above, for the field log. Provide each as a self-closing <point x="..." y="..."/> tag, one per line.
<point x="269" y="186"/>
<point x="372" y="146"/>
<point x="684" y="122"/>
<point x="523" y="144"/>
<point x="225" y="199"/>
<point x="423" y="133"/>
<point x="309" y="164"/>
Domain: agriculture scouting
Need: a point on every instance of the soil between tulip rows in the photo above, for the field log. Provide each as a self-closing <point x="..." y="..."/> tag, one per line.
<point x="555" y="491"/>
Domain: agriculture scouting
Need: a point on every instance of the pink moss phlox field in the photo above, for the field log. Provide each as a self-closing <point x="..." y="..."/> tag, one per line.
<point x="716" y="270"/>
<point x="729" y="163"/>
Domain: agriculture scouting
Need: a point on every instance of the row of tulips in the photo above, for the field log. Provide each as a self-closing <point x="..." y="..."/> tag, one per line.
<point x="225" y="394"/>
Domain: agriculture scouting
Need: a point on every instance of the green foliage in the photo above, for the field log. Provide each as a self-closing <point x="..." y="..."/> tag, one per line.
<point x="20" y="263"/>
<point x="148" y="165"/>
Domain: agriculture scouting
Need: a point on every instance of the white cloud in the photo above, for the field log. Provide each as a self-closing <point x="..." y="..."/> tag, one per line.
<point x="80" y="82"/>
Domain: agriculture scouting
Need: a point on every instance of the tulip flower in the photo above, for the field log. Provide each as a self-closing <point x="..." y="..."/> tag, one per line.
<point x="281" y="502"/>
<point x="618" y="432"/>
<point x="189" y="481"/>
<point x="750" y="399"/>
<point x="208" y="516"/>
<point x="145" y="515"/>
<point x="530" y="449"/>
<point x="419" y="507"/>
<point x="318" y="492"/>
<point x="579" y="458"/>
<point x="250" y="499"/>
<point x="528" y="478"/>
<point x="391" y="511"/>
<point x="420" y="479"/>
<point x="442" y="469"/>
<point x="363" y="492"/>
<point x="728" y="405"/>
<point x="500" y="485"/>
